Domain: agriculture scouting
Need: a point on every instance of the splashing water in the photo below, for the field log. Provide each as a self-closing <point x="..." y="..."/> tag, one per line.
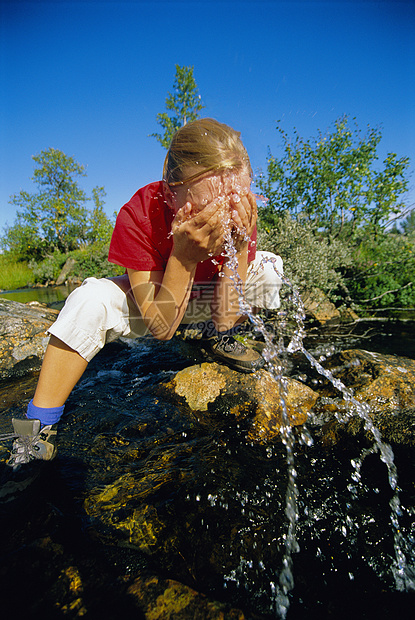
<point x="404" y="574"/>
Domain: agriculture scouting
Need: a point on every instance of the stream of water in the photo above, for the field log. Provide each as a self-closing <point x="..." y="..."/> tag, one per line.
<point x="403" y="567"/>
<point x="222" y="499"/>
<point x="296" y="530"/>
<point x="53" y="296"/>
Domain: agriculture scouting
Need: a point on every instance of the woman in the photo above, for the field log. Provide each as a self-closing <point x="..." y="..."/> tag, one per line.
<point x="171" y="238"/>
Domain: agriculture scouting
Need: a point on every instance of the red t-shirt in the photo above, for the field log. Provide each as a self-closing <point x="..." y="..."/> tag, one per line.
<point x="141" y="238"/>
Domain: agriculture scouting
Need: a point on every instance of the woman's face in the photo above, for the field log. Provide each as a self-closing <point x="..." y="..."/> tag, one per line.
<point x="214" y="187"/>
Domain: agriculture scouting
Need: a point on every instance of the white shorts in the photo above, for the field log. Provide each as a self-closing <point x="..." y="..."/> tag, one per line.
<point x="100" y="310"/>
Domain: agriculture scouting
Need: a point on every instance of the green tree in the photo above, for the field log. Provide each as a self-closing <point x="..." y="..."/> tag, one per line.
<point x="331" y="181"/>
<point x="184" y="105"/>
<point x="54" y="217"/>
<point x="22" y="240"/>
<point x="327" y="209"/>
<point x="100" y="227"/>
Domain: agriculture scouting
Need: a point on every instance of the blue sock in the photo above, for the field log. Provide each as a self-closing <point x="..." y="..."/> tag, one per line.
<point x="46" y="415"/>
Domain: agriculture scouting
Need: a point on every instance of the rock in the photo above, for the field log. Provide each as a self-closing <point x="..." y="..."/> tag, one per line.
<point x="386" y="383"/>
<point x="156" y="508"/>
<point x="23" y="337"/>
<point x="166" y="598"/>
<point x="255" y="397"/>
<point x="71" y="583"/>
<point x="66" y="270"/>
<point x="348" y="315"/>
<point x="200" y="385"/>
<point x="319" y="307"/>
<point x="139" y="524"/>
<point x="177" y="504"/>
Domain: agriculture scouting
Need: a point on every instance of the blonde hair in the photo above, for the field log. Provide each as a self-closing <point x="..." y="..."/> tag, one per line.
<point x="205" y="145"/>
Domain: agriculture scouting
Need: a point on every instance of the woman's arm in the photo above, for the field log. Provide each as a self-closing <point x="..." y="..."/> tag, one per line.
<point x="162" y="297"/>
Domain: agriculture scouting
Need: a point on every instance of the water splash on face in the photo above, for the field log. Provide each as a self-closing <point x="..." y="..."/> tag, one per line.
<point x="403" y="573"/>
<point x="218" y="188"/>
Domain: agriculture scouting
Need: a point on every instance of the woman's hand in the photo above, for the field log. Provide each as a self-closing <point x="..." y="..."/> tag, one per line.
<point x="196" y="237"/>
<point x="244" y="217"/>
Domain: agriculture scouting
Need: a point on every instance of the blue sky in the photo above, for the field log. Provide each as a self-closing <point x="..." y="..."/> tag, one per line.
<point x="89" y="78"/>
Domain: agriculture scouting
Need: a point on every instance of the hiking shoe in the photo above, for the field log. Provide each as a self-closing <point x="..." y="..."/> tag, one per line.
<point x="227" y="350"/>
<point x="32" y="442"/>
<point x="32" y="447"/>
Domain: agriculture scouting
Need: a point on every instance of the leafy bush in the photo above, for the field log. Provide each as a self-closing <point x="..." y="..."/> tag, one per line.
<point x="93" y="261"/>
<point x="326" y="207"/>
<point x="48" y="270"/>
<point x="384" y="272"/>
<point x="311" y="260"/>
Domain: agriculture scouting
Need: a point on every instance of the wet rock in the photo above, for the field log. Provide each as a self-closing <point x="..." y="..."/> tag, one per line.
<point x="208" y="388"/>
<point x="23" y="337"/>
<point x="157" y="500"/>
<point x="70" y="582"/>
<point x="12" y="392"/>
<point x="348" y="315"/>
<point x="166" y="598"/>
<point x="162" y="509"/>
<point x="121" y="509"/>
<point x="200" y="385"/>
<point x="317" y="306"/>
<point x="386" y="383"/>
<point x="125" y="508"/>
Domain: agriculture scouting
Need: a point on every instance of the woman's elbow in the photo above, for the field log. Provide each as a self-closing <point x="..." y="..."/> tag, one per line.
<point x="161" y="332"/>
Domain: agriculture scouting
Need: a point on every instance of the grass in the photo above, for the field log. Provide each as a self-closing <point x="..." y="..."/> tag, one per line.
<point x="14" y="275"/>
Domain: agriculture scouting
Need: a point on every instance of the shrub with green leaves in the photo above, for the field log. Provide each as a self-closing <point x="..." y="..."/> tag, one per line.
<point x="48" y="270"/>
<point x="311" y="260"/>
<point x="383" y="274"/>
<point x="93" y="262"/>
<point x="326" y="207"/>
